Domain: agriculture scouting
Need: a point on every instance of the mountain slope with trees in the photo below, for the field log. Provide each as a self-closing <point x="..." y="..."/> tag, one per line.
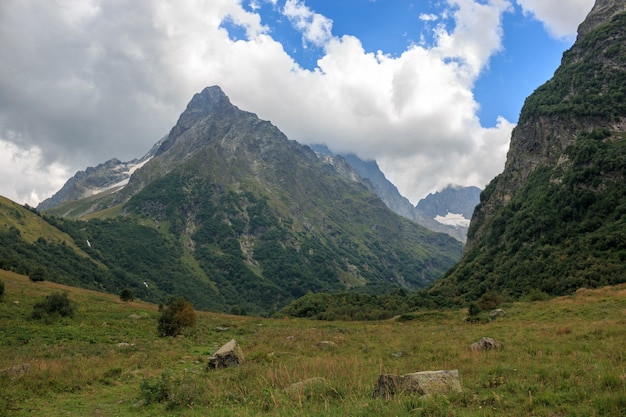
<point x="554" y="220"/>
<point x="232" y="215"/>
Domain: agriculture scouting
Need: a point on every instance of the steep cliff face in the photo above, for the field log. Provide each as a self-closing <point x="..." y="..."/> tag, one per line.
<point x="561" y="191"/>
<point x="587" y="92"/>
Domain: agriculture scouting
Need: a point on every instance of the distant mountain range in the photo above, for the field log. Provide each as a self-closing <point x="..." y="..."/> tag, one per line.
<point x="448" y="211"/>
<point x="228" y="212"/>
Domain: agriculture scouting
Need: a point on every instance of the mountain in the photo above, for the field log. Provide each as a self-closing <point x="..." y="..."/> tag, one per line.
<point x="230" y="213"/>
<point x="110" y="176"/>
<point x="554" y="219"/>
<point x="453" y="205"/>
<point x="375" y="179"/>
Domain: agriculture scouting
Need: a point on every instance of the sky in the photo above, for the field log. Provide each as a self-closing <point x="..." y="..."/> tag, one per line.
<point x="430" y="89"/>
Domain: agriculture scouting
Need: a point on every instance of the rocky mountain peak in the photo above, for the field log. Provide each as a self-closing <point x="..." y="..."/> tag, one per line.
<point x="211" y="100"/>
<point x="602" y="12"/>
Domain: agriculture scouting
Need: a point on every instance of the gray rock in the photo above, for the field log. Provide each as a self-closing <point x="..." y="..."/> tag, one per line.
<point x="228" y="355"/>
<point x="498" y="312"/>
<point x="16" y="370"/>
<point x="486" y="343"/>
<point x="326" y="344"/>
<point x="420" y="383"/>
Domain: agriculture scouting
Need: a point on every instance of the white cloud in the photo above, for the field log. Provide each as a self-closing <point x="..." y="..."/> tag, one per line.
<point x="109" y="80"/>
<point x="23" y="172"/>
<point x="560" y="21"/>
<point x="428" y="17"/>
<point x="316" y="28"/>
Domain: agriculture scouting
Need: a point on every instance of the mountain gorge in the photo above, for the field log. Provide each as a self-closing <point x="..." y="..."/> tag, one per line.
<point x="553" y="221"/>
<point x="233" y="215"/>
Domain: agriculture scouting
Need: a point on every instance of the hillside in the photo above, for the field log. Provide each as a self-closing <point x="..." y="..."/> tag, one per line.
<point x="560" y="357"/>
<point x="554" y="219"/>
<point x="230" y="213"/>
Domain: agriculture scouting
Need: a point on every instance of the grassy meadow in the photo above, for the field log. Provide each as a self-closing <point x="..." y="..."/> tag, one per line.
<point x="562" y="357"/>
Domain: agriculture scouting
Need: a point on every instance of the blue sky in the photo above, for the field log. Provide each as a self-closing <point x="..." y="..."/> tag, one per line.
<point x="431" y="89"/>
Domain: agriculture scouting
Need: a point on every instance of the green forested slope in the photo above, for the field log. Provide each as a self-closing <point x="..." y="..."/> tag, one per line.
<point x="554" y="219"/>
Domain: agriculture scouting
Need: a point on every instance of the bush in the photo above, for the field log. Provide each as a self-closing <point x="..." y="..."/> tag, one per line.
<point x="177" y="314"/>
<point x="127" y="295"/>
<point x="38" y="275"/>
<point x="490" y="300"/>
<point x="53" y="306"/>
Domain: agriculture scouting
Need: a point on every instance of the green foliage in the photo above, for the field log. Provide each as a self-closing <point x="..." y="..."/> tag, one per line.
<point x="565" y="229"/>
<point x="53" y="306"/>
<point x="127" y="295"/>
<point x="38" y="274"/>
<point x="356" y="305"/>
<point x="177" y="314"/>
<point x="590" y="82"/>
<point x="58" y="262"/>
<point x="490" y="300"/>
<point x="473" y="310"/>
<point x="261" y="258"/>
<point x="170" y="390"/>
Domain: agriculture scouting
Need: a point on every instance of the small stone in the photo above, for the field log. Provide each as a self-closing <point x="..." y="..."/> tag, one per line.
<point x="498" y="312"/>
<point x="326" y="344"/>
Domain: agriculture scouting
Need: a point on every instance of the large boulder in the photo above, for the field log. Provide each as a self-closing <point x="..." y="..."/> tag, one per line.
<point x="486" y="343"/>
<point x="421" y="383"/>
<point x="228" y="355"/>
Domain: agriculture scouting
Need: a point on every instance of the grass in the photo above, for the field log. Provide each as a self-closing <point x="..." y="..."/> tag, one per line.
<point x="562" y="357"/>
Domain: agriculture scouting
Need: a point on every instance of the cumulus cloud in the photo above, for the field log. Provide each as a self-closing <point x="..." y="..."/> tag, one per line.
<point x="23" y="171"/>
<point x="82" y="82"/>
<point x="315" y="27"/>
<point x="561" y="22"/>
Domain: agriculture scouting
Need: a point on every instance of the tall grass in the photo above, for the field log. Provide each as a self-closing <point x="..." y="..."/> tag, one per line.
<point x="563" y="357"/>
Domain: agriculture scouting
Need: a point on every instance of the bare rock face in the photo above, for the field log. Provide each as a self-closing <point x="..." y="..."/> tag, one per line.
<point x="602" y="11"/>
<point x="228" y="355"/>
<point x="420" y="383"/>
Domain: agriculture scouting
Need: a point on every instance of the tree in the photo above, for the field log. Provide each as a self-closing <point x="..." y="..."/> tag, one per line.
<point x="177" y="314"/>
<point x="1" y="290"/>
<point x="127" y="295"/>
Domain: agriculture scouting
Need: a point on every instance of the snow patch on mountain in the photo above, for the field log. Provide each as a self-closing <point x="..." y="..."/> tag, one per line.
<point x="453" y="219"/>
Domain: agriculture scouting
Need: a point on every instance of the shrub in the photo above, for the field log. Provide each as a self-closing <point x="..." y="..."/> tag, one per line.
<point x="53" y="306"/>
<point x="38" y="274"/>
<point x="473" y="310"/>
<point x="177" y="314"/>
<point x="490" y="300"/>
<point x="127" y="295"/>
